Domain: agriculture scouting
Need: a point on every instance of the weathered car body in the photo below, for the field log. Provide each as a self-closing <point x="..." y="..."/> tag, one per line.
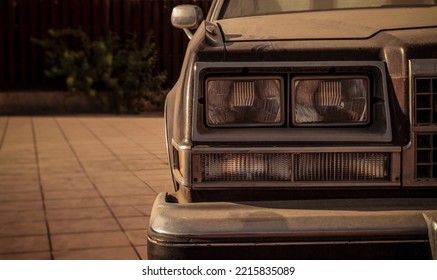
<point x="341" y="164"/>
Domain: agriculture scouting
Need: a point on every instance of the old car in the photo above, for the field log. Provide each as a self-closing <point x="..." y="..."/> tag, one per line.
<point x="302" y="130"/>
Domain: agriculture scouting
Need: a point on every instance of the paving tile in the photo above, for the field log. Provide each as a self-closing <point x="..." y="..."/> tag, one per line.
<point x="65" y="176"/>
<point x="78" y="182"/>
<point x="20" y="177"/>
<point x="119" y="183"/>
<point x="22" y="216"/>
<point x="70" y="194"/>
<point x="132" y="211"/>
<point x="87" y="225"/>
<point x="160" y="174"/>
<point x="19" y="185"/>
<point x="127" y="190"/>
<point x="25" y="244"/>
<point x="20" y="205"/>
<point x="92" y="153"/>
<point x="130" y="223"/>
<point x="20" y="228"/>
<point x="137" y="237"/>
<point x="118" y="253"/>
<point x="55" y="168"/>
<point x="8" y="167"/>
<point x="27" y="256"/>
<point x="131" y="200"/>
<point x="20" y="196"/>
<point x="89" y="240"/>
<point x="107" y="166"/>
<point x="159" y="186"/>
<point x="78" y="213"/>
<point x="74" y="203"/>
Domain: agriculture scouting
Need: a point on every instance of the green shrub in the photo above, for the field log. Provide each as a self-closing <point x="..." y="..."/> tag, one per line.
<point x="116" y="76"/>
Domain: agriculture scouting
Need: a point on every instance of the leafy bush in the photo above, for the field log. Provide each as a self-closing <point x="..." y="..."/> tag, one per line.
<point x="115" y="76"/>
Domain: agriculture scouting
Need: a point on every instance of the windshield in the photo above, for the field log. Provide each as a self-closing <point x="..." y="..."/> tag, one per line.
<point x="244" y="8"/>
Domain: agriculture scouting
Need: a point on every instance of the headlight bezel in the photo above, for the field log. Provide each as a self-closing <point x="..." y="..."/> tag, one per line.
<point x="379" y="130"/>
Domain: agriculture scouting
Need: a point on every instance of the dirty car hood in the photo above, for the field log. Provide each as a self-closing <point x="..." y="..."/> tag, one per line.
<point x="344" y="24"/>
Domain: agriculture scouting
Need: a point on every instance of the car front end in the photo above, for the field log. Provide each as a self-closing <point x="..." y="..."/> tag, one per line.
<point x="308" y="135"/>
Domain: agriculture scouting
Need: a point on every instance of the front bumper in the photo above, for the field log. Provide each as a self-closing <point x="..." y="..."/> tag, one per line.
<point x="393" y="228"/>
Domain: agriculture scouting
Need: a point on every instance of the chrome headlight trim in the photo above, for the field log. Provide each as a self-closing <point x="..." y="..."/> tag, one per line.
<point x="378" y="131"/>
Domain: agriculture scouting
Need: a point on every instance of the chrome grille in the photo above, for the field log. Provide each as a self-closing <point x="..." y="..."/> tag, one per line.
<point x="425" y="101"/>
<point x="299" y="167"/>
<point x="246" y="167"/>
<point x="426" y="156"/>
<point x="341" y="166"/>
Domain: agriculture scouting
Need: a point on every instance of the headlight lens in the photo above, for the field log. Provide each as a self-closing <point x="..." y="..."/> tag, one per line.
<point x="330" y="101"/>
<point x="252" y="101"/>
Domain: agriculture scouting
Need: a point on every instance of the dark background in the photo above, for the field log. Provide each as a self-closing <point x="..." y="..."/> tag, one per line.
<point x="22" y="63"/>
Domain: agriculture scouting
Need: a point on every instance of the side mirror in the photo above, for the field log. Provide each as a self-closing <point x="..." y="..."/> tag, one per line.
<point x="186" y="17"/>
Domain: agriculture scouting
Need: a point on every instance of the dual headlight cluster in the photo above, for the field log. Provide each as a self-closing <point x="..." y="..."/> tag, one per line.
<point x="315" y="101"/>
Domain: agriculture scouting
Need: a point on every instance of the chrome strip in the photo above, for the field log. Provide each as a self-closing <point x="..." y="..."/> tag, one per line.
<point x="262" y="244"/>
<point x="187" y="164"/>
<point x="213" y="150"/>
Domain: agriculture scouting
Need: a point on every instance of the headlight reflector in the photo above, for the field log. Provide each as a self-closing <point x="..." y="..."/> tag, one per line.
<point x="330" y="101"/>
<point x="251" y="101"/>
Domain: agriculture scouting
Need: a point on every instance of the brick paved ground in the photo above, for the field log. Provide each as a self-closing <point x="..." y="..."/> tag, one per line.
<point x="79" y="187"/>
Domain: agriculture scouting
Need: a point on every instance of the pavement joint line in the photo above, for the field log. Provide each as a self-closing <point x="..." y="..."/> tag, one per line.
<point x="92" y="182"/>
<point x="41" y="187"/>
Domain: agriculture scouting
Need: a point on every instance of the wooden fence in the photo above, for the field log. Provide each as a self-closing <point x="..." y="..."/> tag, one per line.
<point x="22" y="63"/>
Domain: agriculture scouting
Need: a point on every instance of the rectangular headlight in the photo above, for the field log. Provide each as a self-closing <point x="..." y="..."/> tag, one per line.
<point x="330" y="101"/>
<point x="244" y="101"/>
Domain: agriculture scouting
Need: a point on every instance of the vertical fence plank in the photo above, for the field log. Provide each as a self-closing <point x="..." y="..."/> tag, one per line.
<point x="157" y="29"/>
<point x="65" y="13"/>
<point x="126" y="19"/>
<point x="105" y="14"/>
<point x="33" y="29"/>
<point x="3" y="19"/>
<point x="76" y="12"/>
<point x="86" y="16"/>
<point x="116" y="16"/>
<point x="147" y="18"/>
<point x="167" y="58"/>
<point x="137" y="29"/>
<point x="96" y="31"/>
<point x="10" y="39"/>
<point x="23" y="33"/>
